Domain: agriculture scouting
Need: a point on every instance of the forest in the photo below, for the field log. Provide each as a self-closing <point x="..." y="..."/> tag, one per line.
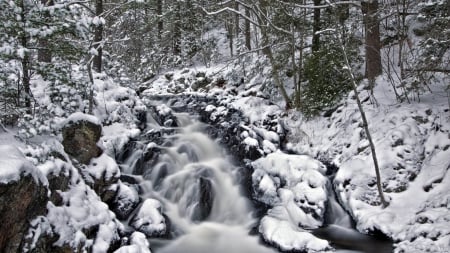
<point x="198" y="126"/>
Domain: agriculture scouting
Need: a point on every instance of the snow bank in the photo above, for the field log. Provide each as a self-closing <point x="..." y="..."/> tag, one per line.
<point x="14" y="165"/>
<point x="295" y="189"/>
<point x="289" y="237"/>
<point x="412" y="143"/>
<point x="103" y="167"/>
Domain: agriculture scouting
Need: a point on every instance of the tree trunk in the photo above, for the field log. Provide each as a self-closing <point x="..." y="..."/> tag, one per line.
<point x="44" y="53"/>
<point x="25" y="60"/>
<point x="159" y="12"/>
<point x="248" y="34"/>
<point x="384" y="203"/>
<point x="373" y="45"/>
<point x="267" y="50"/>
<point x="98" y="37"/>
<point x="176" y="39"/>
<point x="236" y="20"/>
<point x="316" y="27"/>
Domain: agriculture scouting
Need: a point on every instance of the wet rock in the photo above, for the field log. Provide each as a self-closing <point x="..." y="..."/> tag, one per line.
<point x="81" y="133"/>
<point x="163" y="115"/>
<point x="206" y="199"/>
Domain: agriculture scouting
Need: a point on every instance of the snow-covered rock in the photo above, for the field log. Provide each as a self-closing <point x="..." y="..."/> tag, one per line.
<point x="288" y="237"/>
<point x="81" y="133"/>
<point x="138" y="244"/>
<point x="125" y="201"/>
<point x="23" y="197"/>
<point x="295" y="190"/>
<point x="149" y="219"/>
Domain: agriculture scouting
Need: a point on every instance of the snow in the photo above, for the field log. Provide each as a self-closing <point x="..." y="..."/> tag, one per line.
<point x="290" y="238"/>
<point x="249" y="141"/>
<point x="138" y="244"/>
<point x="82" y="209"/>
<point x="14" y="165"/>
<point x="295" y="190"/>
<point x="79" y="116"/>
<point x="103" y="167"/>
<point x="149" y="219"/>
<point x="116" y="135"/>
<point x="412" y="143"/>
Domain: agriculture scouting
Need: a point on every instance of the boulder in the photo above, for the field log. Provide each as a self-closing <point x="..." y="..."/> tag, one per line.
<point x="81" y="133"/>
<point x="23" y="197"/>
<point x="149" y="219"/>
<point x="125" y="201"/>
<point x="206" y="199"/>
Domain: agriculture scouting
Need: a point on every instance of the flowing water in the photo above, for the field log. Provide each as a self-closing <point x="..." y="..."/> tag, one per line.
<point x="196" y="183"/>
<point x="197" y="186"/>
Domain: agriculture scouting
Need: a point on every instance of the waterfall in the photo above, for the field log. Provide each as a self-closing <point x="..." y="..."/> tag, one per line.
<point x="196" y="183"/>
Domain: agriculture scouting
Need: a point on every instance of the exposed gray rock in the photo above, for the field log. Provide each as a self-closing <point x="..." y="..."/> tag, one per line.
<point x="20" y="202"/>
<point x="80" y="139"/>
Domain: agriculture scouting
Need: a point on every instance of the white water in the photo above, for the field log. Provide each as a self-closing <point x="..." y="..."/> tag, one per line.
<point x="193" y="155"/>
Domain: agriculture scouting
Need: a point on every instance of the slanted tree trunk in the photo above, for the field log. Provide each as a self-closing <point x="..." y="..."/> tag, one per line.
<point x="373" y="45"/>
<point x="384" y="203"/>
<point x="98" y="37"/>
<point x="267" y="50"/>
<point x="316" y="27"/>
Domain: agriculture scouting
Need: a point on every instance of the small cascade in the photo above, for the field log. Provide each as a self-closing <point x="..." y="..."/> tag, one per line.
<point x="340" y="230"/>
<point x="191" y="175"/>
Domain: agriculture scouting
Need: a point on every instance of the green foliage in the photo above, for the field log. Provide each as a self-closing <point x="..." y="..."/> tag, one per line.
<point x="327" y="80"/>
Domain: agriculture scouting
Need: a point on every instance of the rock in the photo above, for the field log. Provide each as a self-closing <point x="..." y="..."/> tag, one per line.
<point x="58" y="183"/>
<point x="149" y="219"/>
<point x="23" y="197"/>
<point x="81" y="133"/>
<point x="20" y="202"/>
<point x="206" y="199"/>
<point x="125" y="201"/>
<point x="102" y="175"/>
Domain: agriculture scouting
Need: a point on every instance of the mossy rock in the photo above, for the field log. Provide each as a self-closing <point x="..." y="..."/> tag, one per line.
<point x="80" y="140"/>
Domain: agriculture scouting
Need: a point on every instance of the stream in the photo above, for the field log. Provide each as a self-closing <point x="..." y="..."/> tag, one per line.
<point x="197" y="184"/>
